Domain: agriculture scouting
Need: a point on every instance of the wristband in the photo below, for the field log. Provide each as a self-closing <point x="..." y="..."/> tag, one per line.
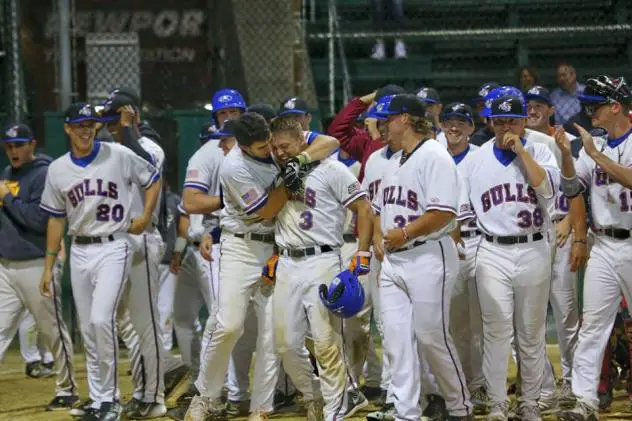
<point x="304" y="158"/>
<point x="363" y="253"/>
<point x="405" y="230"/>
<point x="51" y="253"/>
<point x="180" y="244"/>
<point x="580" y="241"/>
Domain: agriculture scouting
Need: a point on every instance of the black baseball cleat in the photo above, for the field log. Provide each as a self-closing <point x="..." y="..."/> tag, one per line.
<point x="80" y="408"/>
<point x="146" y="411"/>
<point x="581" y="412"/>
<point x="90" y="414"/>
<point x="436" y="410"/>
<point x="110" y="411"/>
<point x="371" y="393"/>
<point x="355" y="402"/>
<point x="130" y="406"/>
<point x="386" y="413"/>
<point x="281" y="400"/>
<point x="176" y="383"/>
<point x="38" y="370"/>
<point x="62" y="403"/>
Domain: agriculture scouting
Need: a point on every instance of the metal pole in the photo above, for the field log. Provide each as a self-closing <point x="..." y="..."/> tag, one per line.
<point x="65" y="54"/>
<point x="331" y="59"/>
<point x="15" y="75"/>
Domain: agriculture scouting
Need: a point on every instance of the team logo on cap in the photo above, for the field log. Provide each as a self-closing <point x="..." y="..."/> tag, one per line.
<point x="456" y="108"/>
<point x="505" y="106"/>
<point x="85" y="111"/>
<point x="534" y="91"/>
<point x="488" y="103"/>
<point x="483" y="92"/>
<point x="225" y="98"/>
<point x="379" y="107"/>
<point x="422" y="94"/>
<point x="290" y="104"/>
<point x="12" y="132"/>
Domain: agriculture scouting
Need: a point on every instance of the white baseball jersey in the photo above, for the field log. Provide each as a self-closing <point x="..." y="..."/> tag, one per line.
<point x="158" y="160"/>
<point x="503" y="201"/>
<point x="610" y="202"/>
<point x="350" y="218"/>
<point x="427" y="180"/>
<point x="94" y="192"/>
<point x="203" y="174"/>
<point x="465" y="216"/>
<point x="374" y="171"/>
<point x="318" y="217"/>
<point x="539" y="137"/>
<point x="442" y="139"/>
<point x="245" y="182"/>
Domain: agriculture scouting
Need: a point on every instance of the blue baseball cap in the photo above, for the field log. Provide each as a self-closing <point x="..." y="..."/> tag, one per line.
<point x="401" y="104"/>
<point x="78" y="112"/>
<point x="208" y="132"/>
<point x="375" y="111"/>
<point x="509" y="106"/>
<point x="227" y="129"/>
<point x="17" y="133"/>
<point x="538" y="93"/>
<point x="293" y="105"/>
<point x="429" y="95"/>
<point x="483" y="91"/>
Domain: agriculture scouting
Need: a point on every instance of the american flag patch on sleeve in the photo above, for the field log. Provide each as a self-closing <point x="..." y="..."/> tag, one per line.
<point x="193" y="173"/>
<point x="250" y="196"/>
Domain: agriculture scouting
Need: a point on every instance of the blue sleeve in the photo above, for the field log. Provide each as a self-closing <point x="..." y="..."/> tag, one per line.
<point x="130" y="140"/>
<point x="311" y="136"/>
<point x="27" y="213"/>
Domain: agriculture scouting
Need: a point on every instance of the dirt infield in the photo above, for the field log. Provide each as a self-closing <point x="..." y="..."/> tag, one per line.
<point x="24" y="399"/>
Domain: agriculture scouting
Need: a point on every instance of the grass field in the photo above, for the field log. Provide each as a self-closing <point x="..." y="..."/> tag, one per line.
<point x="24" y="399"/>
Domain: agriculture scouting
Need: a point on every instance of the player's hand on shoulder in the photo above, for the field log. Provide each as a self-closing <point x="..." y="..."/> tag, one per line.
<point x="206" y="247"/>
<point x="563" y="144"/>
<point x="394" y="239"/>
<point x="45" y="283"/>
<point x="138" y="225"/>
<point x="361" y="263"/>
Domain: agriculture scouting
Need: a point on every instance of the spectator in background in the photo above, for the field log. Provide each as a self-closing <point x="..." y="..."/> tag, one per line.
<point x="388" y="14"/>
<point x="565" y="97"/>
<point x="527" y="77"/>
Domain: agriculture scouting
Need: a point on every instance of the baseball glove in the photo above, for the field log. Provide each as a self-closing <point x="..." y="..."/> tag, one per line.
<point x="268" y="275"/>
<point x="294" y="173"/>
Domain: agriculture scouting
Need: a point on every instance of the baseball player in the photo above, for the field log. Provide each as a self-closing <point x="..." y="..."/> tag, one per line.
<point x="91" y="187"/>
<point x="433" y="103"/>
<point x="142" y="294"/>
<point x="603" y="167"/>
<point x="481" y="122"/>
<point x="416" y="209"/>
<point x="563" y="298"/>
<point x="457" y="121"/>
<point x="249" y="207"/>
<point x="511" y="183"/>
<point x="309" y="236"/>
<point x="22" y="252"/>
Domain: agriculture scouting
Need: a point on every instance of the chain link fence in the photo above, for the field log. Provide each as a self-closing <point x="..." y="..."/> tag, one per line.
<point x="457" y="45"/>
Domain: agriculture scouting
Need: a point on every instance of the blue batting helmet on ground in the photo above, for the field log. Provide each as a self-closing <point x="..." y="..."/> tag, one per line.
<point x="344" y="296"/>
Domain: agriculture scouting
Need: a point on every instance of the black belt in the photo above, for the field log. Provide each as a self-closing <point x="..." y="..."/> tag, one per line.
<point x="616" y="233"/>
<point x="413" y="245"/>
<point x="469" y="234"/>
<point x="264" y="238"/>
<point x="308" y="251"/>
<point x="93" y="240"/>
<point x="514" y="239"/>
<point x="349" y="238"/>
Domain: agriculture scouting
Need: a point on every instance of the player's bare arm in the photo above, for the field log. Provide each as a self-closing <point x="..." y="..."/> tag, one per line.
<point x="378" y="240"/>
<point x="578" y="220"/>
<point x="275" y="202"/>
<point x="429" y="222"/>
<point x="362" y="208"/>
<point x="180" y="244"/>
<point x="536" y="175"/>
<point x="322" y="147"/>
<point x="198" y="202"/>
<point x="139" y="224"/>
<point x="54" y="237"/>
<point x="619" y="173"/>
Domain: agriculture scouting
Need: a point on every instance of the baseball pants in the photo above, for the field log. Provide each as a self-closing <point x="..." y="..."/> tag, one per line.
<point x="608" y="273"/>
<point x="141" y="299"/>
<point x="297" y="310"/>
<point x="239" y="280"/>
<point x="166" y="288"/>
<point x="513" y="284"/>
<point x="565" y="305"/>
<point x="98" y="274"/>
<point x="416" y="312"/>
<point x="32" y="345"/>
<point x="197" y="281"/>
<point x="465" y="318"/>
<point x="19" y="292"/>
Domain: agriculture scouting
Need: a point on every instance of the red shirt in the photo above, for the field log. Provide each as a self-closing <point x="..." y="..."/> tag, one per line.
<point x="356" y="142"/>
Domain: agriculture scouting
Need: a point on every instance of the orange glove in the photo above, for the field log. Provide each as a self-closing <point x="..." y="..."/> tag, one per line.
<point x="360" y="263"/>
<point x="268" y="275"/>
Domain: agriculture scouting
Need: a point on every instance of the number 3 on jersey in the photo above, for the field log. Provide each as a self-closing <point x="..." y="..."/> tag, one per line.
<point x="526" y="219"/>
<point x="307" y="220"/>
<point x="400" y="221"/>
<point x="116" y="213"/>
